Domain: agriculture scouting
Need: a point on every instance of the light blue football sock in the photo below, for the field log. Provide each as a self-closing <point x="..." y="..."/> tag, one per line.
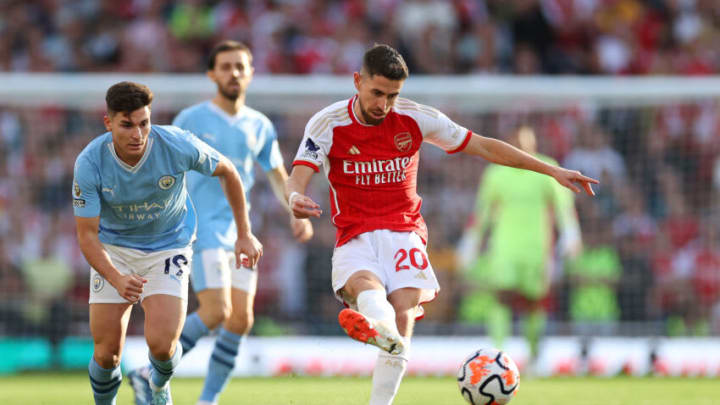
<point x="104" y="382"/>
<point x="222" y="362"/>
<point x="162" y="370"/>
<point x="193" y="330"/>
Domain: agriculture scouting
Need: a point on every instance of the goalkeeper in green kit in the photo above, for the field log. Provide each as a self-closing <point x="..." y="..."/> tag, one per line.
<point x="518" y="210"/>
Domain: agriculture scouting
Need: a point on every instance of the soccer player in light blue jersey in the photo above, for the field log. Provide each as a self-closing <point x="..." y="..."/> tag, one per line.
<point x="226" y="294"/>
<point x="135" y="224"/>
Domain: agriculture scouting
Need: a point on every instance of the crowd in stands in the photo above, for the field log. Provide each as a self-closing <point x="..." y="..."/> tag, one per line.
<point x="659" y="167"/>
<point x="632" y="37"/>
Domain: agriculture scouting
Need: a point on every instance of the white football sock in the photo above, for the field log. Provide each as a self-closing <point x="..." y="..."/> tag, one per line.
<point x="388" y="372"/>
<point x="374" y="304"/>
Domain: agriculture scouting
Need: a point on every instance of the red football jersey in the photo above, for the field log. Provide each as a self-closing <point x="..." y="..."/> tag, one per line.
<point x="372" y="169"/>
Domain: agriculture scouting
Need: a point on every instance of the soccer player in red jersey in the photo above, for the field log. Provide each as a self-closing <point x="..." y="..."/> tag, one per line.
<point x="369" y="147"/>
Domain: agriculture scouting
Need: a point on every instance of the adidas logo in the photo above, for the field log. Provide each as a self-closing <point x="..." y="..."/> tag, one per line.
<point x="391" y="363"/>
<point x="354" y="150"/>
<point x="421" y="275"/>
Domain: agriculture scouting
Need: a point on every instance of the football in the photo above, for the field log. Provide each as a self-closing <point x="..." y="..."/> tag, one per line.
<point x="488" y="377"/>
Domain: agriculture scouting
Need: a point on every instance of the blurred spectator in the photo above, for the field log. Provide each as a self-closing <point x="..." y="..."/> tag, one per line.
<point x="46" y="310"/>
<point x="706" y="280"/>
<point x="12" y="294"/>
<point x="320" y="304"/>
<point x="594" y="275"/>
<point x="634" y="231"/>
<point x="527" y="61"/>
<point x="531" y="32"/>
<point x="699" y="262"/>
<point x="594" y="156"/>
<point x="191" y="20"/>
<point x="425" y="29"/>
<point x="679" y="225"/>
<point x="671" y="292"/>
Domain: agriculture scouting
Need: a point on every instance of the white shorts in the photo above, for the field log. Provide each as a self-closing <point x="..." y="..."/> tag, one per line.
<point x="215" y="268"/>
<point x="398" y="259"/>
<point x="166" y="272"/>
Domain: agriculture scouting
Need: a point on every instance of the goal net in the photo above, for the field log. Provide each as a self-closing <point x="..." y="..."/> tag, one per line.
<point x="650" y="264"/>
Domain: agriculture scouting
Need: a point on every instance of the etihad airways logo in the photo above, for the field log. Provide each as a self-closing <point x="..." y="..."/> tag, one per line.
<point x="141" y="211"/>
<point x="377" y="171"/>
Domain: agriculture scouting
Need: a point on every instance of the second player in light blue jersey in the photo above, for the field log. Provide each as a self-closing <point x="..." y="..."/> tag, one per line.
<point x="226" y="294"/>
<point x="135" y="224"/>
<point x="245" y="137"/>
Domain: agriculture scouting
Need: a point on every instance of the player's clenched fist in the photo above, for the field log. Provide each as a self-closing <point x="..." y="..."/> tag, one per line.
<point x="249" y="246"/>
<point x="303" y="206"/>
<point x="130" y="286"/>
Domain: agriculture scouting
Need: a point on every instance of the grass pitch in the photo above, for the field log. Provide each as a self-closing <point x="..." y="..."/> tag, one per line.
<point x="73" y="388"/>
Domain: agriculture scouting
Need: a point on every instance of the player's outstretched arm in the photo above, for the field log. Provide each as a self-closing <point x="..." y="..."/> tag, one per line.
<point x="301" y="228"/>
<point x="246" y="242"/>
<point x="503" y="153"/>
<point x="129" y="286"/>
<point x="301" y="205"/>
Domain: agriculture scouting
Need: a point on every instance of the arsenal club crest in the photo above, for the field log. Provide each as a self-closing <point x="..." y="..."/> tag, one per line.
<point x="403" y="141"/>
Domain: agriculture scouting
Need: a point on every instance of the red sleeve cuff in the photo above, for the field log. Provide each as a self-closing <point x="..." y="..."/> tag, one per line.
<point x="306" y="163"/>
<point x="463" y="144"/>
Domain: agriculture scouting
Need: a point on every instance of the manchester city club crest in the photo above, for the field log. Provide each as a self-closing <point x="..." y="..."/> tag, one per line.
<point x="166" y="182"/>
<point x="98" y="282"/>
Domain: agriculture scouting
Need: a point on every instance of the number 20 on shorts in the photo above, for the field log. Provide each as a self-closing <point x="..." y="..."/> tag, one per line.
<point x="415" y="256"/>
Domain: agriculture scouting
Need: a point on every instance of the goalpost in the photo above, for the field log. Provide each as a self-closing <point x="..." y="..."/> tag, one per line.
<point x="274" y="93"/>
<point x="653" y="141"/>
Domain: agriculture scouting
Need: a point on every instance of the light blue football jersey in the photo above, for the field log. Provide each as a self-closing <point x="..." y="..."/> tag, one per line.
<point x="145" y="206"/>
<point x="245" y="138"/>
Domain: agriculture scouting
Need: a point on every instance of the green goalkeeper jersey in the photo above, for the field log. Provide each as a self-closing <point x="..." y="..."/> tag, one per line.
<point x="519" y="208"/>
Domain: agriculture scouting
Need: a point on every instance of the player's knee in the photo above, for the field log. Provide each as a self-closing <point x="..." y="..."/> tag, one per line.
<point x="360" y="281"/>
<point x="247" y="319"/>
<point x="161" y="349"/>
<point x="405" y="302"/>
<point x="404" y="318"/>
<point x="107" y="358"/>
<point x="224" y="311"/>
<point x="217" y="313"/>
<point x="241" y="322"/>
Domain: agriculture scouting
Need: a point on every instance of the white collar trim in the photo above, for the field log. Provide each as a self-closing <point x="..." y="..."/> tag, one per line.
<point x="131" y="169"/>
<point x="224" y="115"/>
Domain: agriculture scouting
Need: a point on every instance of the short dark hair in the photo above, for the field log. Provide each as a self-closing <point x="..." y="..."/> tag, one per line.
<point x="385" y="61"/>
<point x="224" y="46"/>
<point x="127" y="97"/>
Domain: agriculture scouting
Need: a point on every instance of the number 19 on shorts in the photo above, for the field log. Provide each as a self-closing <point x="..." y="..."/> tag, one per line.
<point x="178" y="262"/>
